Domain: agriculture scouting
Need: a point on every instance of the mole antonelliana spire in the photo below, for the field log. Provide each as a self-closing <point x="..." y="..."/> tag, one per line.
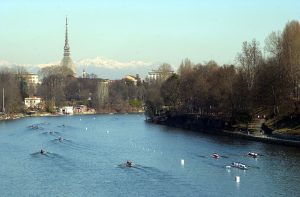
<point x="67" y="61"/>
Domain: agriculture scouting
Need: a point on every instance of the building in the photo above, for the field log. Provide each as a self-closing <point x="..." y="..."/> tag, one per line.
<point x="155" y="75"/>
<point x="68" y="110"/>
<point x="80" y="109"/>
<point x="32" y="102"/>
<point x="31" y="79"/>
<point x="132" y="79"/>
<point x="31" y="83"/>
<point x="67" y="61"/>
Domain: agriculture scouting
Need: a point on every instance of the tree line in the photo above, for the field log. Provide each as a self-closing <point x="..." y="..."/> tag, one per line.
<point x="59" y="88"/>
<point x="266" y="85"/>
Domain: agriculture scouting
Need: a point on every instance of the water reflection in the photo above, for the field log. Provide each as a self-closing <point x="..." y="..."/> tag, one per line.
<point x="92" y="162"/>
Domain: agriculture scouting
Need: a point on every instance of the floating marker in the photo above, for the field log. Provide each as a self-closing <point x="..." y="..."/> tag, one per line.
<point x="182" y="162"/>
<point x="86" y="128"/>
<point x="107" y="131"/>
<point x="237" y="179"/>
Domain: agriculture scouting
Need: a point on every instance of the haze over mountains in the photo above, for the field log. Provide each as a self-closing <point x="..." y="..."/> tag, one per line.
<point x="101" y="66"/>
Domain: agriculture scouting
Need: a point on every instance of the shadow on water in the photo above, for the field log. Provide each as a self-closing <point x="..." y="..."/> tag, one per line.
<point x="45" y="154"/>
<point x="201" y="156"/>
<point x="147" y="172"/>
<point x="61" y="140"/>
<point x="38" y="125"/>
<point x="35" y="127"/>
<point x="150" y="177"/>
<point x="66" y="127"/>
<point x="53" y="133"/>
<point x="62" y="126"/>
<point x="55" y="160"/>
<point x="70" y="144"/>
<point x="211" y="136"/>
<point x="209" y="156"/>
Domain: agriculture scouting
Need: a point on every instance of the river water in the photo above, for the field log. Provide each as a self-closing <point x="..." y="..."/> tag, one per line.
<point x="89" y="160"/>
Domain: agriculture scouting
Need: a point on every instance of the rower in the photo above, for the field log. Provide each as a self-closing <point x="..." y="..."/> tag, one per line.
<point x="252" y="154"/>
<point x="215" y="155"/>
<point x="129" y="163"/>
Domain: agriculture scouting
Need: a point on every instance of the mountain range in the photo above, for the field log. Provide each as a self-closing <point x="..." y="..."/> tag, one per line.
<point x="101" y="66"/>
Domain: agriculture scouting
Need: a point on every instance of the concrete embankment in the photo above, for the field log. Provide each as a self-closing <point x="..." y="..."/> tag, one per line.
<point x="262" y="138"/>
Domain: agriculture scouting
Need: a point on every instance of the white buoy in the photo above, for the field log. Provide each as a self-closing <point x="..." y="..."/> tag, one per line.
<point x="182" y="162"/>
<point x="237" y="179"/>
<point x="107" y="131"/>
<point x="86" y="128"/>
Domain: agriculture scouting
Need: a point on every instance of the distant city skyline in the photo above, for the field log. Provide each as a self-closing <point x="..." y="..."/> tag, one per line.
<point x="32" y="32"/>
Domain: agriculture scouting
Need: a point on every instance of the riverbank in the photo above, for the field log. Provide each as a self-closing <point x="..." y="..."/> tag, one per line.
<point x="21" y="115"/>
<point x="218" y="126"/>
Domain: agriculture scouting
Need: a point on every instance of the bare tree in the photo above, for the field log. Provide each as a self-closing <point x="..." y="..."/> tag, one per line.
<point x="13" y="100"/>
<point x="273" y="44"/>
<point x="291" y="55"/>
<point x="249" y="59"/>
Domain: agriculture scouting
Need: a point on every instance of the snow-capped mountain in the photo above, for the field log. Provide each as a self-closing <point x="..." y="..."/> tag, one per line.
<point x="102" y="67"/>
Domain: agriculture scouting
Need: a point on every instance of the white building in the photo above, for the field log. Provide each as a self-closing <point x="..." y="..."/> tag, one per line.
<point x="67" y="110"/>
<point x="32" y="102"/>
<point x="159" y="75"/>
<point x="31" y="79"/>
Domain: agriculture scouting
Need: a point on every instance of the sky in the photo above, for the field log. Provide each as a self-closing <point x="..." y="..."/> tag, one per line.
<point x="32" y="31"/>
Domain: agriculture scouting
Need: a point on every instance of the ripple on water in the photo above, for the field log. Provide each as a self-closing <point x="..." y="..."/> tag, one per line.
<point x="89" y="163"/>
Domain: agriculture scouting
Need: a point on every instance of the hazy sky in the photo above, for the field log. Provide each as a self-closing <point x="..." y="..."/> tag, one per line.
<point x="32" y="31"/>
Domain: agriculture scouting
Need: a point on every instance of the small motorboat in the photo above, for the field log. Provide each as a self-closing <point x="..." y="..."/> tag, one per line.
<point x="252" y="154"/>
<point x="216" y="156"/>
<point x="239" y="165"/>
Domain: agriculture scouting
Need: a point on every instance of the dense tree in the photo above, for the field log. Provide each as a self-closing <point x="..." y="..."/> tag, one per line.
<point x="153" y="100"/>
<point x="170" y="91"/>
<point x="54" y="81"/>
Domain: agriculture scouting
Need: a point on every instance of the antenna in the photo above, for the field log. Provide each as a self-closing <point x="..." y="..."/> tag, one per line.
<point x="3" y="108"/>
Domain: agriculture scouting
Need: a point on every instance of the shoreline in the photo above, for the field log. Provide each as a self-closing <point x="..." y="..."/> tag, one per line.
<point x="193" y="125"/>
<point x="263" y="138"/>
<point x="21" y="115"/>
<point x="236" y="134"/>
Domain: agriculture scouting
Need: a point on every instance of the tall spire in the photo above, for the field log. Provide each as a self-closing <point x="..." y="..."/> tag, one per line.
<point x="67" y="61"/>
<point x="67" y="47"/>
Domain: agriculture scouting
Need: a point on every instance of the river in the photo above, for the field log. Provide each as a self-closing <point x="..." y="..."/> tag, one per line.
<point x="89" y="160"/>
